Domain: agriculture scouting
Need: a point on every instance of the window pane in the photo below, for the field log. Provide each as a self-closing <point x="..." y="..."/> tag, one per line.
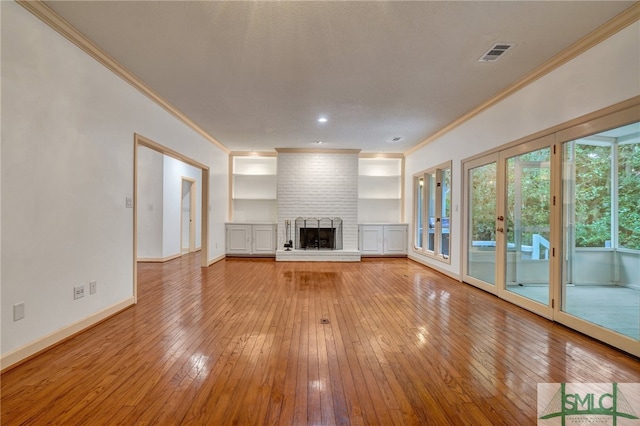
<point x="601" y="267"/>
<point x="419" y="192"/>
<point x="431" y="210"/>
<point x="629" y="195"/>
<point x="593" y="195"/>
<point x="482" y="223"/>
<point x="528" y="223"/>
<point x="445" y="201"/>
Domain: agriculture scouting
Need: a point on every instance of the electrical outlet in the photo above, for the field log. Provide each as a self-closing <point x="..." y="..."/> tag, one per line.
<point x="18" y="311"/>
<point x="93" y="287"/>
<point x="78" y="292"/>
<point x="128" y="202"/>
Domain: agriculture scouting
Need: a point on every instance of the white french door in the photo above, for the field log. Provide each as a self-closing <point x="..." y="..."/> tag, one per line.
<point x="552" y="225"/>
<point x="481" y="198"/>
<point x="508" y="249"/>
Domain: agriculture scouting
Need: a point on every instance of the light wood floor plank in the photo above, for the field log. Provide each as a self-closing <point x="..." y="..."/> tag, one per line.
<point x="242" y="342"/>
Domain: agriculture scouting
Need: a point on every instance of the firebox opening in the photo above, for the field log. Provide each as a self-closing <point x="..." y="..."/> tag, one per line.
<point x="317" y="238"/>
<point x="318" y="234"/>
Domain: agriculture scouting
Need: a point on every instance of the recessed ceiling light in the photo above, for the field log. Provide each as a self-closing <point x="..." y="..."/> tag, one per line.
<point x="317" y="142"/>
<point x="396" y="139"/>
<point x="322" y="120"/>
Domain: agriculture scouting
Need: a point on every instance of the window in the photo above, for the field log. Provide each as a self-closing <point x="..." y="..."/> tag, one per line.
<point x="603" y="180"/>
<point x="432" y="212"/>
<point x="419" y="194"/>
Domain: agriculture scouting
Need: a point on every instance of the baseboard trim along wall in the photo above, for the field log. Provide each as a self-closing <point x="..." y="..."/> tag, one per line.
<point x="159" y="259"/>
<point x="22" y="354"/>
<point x="216" y="259"/>
<point x="434" y="267"/>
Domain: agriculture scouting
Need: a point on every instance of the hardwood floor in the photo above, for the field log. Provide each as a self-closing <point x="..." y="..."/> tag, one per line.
<point x="243" y="342"/>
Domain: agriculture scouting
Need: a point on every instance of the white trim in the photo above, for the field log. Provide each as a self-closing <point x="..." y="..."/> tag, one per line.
<point x="216" y="259"/>
<point x="434" y="267"/>
<point x="158" y="259"/>
<point x="46" y="342"/>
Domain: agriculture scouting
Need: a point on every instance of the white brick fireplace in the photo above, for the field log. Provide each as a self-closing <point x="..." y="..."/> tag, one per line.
<point x="318" y="184"/>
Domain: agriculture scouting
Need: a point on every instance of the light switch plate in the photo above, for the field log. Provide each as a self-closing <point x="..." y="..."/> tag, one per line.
<point x="18" y="311"/>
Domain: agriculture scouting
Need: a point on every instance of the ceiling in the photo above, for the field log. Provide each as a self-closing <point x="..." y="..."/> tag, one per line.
<point x="258" y="75"/>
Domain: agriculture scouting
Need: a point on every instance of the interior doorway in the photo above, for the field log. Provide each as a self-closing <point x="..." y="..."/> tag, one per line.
<point x="141" y="141"/>
<point x="188" y="216"/>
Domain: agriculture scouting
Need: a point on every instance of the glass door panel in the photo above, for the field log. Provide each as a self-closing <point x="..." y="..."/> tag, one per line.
<point x="431" y="213"/>
<point x="445" y="214"/>
<point x="601" y="229"/>
<point x="527" y="225"/>
<point x="481" y="223"/>
<point x="419" y="215"/>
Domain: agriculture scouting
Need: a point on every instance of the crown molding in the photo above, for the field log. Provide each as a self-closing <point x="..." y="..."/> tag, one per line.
<point x="55" y="21"/>
<point x="381" y="155"/>
<point x="253" y="154"/>
<point x="618" y="23"/>
<point x="316" y="151"/>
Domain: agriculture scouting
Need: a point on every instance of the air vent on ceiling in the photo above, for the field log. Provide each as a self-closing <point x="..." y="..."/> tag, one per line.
<point x="396" y="139"/>
<point x="495" y="52"/>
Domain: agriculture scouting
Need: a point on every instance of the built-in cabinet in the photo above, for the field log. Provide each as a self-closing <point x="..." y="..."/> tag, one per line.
<point x="382" y="239"/>
<point x="380" y="187"/>
<point x="251" y="239"/>
<point x="254" y="185"/>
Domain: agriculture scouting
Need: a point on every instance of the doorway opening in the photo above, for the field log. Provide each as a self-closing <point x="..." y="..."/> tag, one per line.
<point x="194" y="192"/>
<point x="188" y="216"/>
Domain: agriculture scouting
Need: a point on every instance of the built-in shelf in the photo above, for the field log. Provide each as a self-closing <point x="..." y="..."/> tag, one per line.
<point x="254" y="187"/>
<point x="380" y="190"/>
<point x="255" y="165"/>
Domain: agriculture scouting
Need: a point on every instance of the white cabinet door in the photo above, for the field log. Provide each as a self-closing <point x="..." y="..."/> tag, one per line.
<point x="371" y="239"/>
<point x="264" y="239"/>
<point x="395" y="239"/>
<point x="239" y="239"/>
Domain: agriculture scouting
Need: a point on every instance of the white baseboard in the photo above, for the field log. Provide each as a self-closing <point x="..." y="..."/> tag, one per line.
<point x="40" y="345"/>
<point x="435" y="267"/>
<point x="216" y="259"/>
<point x="158" y="259"/>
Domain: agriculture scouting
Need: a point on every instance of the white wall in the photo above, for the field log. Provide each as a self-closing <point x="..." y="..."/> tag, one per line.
<point x="150" y="205"/>
<point x="603" y="76"/>
<point x="67" y="167"/>
<point x="174" y="171"/>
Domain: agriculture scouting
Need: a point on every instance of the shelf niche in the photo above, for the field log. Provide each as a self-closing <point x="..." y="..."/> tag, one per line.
<point x="380" y="190"/>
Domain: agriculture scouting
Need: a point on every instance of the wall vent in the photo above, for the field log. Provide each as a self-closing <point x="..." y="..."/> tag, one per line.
<point x="495" y="52"/>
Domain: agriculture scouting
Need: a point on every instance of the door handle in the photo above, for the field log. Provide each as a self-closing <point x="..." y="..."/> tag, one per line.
<point x="500" y="229"/>
<point x="500" y="218"/>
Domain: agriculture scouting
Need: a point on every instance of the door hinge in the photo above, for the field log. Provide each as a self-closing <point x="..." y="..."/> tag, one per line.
<point x="554" y="200"/>
<point x="553" y="303"/>
<point x="553" y="252"/>
<point x="554" y="149"/>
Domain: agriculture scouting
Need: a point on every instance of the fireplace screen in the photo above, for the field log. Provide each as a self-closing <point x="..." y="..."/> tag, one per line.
<point x="318" y="234"/>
